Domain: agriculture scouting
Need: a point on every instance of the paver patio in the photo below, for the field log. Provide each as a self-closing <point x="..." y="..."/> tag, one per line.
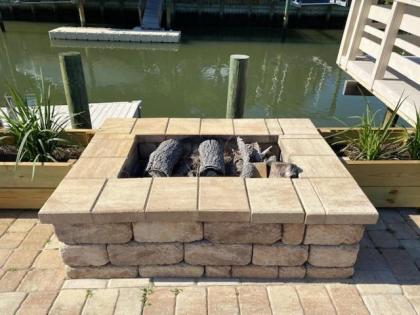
<point x="387" y="279"/>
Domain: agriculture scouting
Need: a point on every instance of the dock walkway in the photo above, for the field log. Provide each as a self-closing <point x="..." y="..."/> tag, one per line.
<point x="99" y="112"/>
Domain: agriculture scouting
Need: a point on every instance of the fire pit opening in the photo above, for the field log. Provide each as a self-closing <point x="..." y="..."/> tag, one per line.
<point x="194" y="156"/>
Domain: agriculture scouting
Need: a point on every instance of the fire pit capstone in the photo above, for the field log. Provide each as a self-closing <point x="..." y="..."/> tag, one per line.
<point x="112" y="223"/>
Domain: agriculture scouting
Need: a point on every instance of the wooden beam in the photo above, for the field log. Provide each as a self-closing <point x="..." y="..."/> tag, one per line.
<point x="357" y="30"/>
<point x="388" y="41"/>
<point x="354" y="88"/>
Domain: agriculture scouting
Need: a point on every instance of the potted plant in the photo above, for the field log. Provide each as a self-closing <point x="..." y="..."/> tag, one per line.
<point x="35" y="150"/>
<point x="383" y="160"/>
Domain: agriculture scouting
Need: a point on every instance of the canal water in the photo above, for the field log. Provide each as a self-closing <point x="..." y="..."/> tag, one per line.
<point x="295" y="78"/>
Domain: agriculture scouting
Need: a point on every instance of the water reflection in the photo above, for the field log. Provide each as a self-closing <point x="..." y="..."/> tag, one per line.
<point x="298" y="78"/>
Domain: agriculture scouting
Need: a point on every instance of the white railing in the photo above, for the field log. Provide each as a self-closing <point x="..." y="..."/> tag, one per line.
<point x="380" y="47"/>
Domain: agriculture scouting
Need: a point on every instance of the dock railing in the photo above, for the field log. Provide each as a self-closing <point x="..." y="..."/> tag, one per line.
<point x="380" y="49"/>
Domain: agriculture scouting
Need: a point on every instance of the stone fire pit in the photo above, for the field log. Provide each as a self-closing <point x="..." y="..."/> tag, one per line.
<point x="112" y="226"/>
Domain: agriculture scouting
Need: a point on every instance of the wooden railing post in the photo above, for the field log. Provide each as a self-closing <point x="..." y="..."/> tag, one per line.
<point x="357" y="31"/>
<point x="348" y="30"/>
<point x="388" y="41"/>
<point x="237" y="86"/>
<point x="75" y="89"/>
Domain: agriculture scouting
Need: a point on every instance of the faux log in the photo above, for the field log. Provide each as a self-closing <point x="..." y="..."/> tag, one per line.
<point x="163" y="160"/>
<point x="211" y="158"/>
<point x="248" y="169"/>
<point x="280" y="169"/>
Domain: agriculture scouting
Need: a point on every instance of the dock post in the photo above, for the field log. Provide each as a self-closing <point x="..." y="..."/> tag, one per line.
<point x="237" y="86"/>
<point x="285" y="18"/>
<point x="168" y="14"/>
<point x="2" y="27"/>
<point x="75" y="89"/>
<point x="140" y="10"/>
<point x="81" y="8"/>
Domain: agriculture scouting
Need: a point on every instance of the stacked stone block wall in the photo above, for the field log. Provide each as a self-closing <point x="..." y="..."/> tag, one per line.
<point x="196" y="249"/>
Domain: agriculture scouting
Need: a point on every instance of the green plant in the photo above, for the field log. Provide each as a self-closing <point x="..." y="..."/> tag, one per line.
<point x="368" y="140"/>
<point x="89" y="293"/>
<point x="413" y="139"/>
<point x="145" y="293"/>
<point x="37" y="130"/>
<point x="177" y="291"/>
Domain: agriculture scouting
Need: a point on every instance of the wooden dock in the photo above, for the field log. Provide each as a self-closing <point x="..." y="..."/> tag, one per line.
<point x="380" y="50"/>
<point x="99" y="112"/>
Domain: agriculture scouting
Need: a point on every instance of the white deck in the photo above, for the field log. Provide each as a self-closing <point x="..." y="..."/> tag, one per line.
<point x="380" y="50"/>
<point x="99" y="112"/>
<point x="114" y="35"/>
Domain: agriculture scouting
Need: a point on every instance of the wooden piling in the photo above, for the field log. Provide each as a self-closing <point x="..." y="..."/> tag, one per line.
<point x="285" y="18"/>
<point x="75" y="89"/>
<point x="2" y="27"/>
<point x="169" y="14"/>
<point x="237" y="86"/>
<point x="81" y="8"/>
<point x="140" y="10"/>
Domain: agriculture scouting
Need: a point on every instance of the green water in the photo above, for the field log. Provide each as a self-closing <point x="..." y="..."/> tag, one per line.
<point x="296" y="78"/>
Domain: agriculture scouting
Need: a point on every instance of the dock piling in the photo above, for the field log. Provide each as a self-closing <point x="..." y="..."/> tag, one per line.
<point x="75" y="89"/>
<point x="81" y="8"/>
<point x="237" y="86"/>
<point x="2" y="27"/>
<point x="285" y="19"/>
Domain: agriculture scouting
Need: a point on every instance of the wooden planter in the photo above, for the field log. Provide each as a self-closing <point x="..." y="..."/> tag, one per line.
<point x="18" y="190"/>
<point x="392" y="183"/>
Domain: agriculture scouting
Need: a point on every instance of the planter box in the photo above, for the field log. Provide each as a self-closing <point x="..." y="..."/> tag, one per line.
<point x="18" y="190"/>
<point x="393" y="183"/>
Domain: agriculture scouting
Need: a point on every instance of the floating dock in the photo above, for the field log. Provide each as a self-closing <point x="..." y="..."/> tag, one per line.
<point x="99" y="112"/>
<point x="114" y="35"/>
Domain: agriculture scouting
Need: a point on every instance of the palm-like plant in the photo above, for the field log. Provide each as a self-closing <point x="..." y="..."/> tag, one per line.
<point x="37" y="130"/>
<point x="372" y="142"/>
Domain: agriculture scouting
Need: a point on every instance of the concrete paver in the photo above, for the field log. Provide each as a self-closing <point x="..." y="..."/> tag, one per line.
<point x="315" y="299"/>
<point x="129" y="301"/>
<point x="69" y="302"/>
<point x="10" y="302"/>
<point x="32" y="280"/>
<point x="389" y="304"/>
<point x="253" y="300"/>
<point x="284" y="300"/>
<point x="37" y="303"/>
<point x="101" y="301"/>
<point x="222" y="300"/>
<point x="346" y="299"/>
